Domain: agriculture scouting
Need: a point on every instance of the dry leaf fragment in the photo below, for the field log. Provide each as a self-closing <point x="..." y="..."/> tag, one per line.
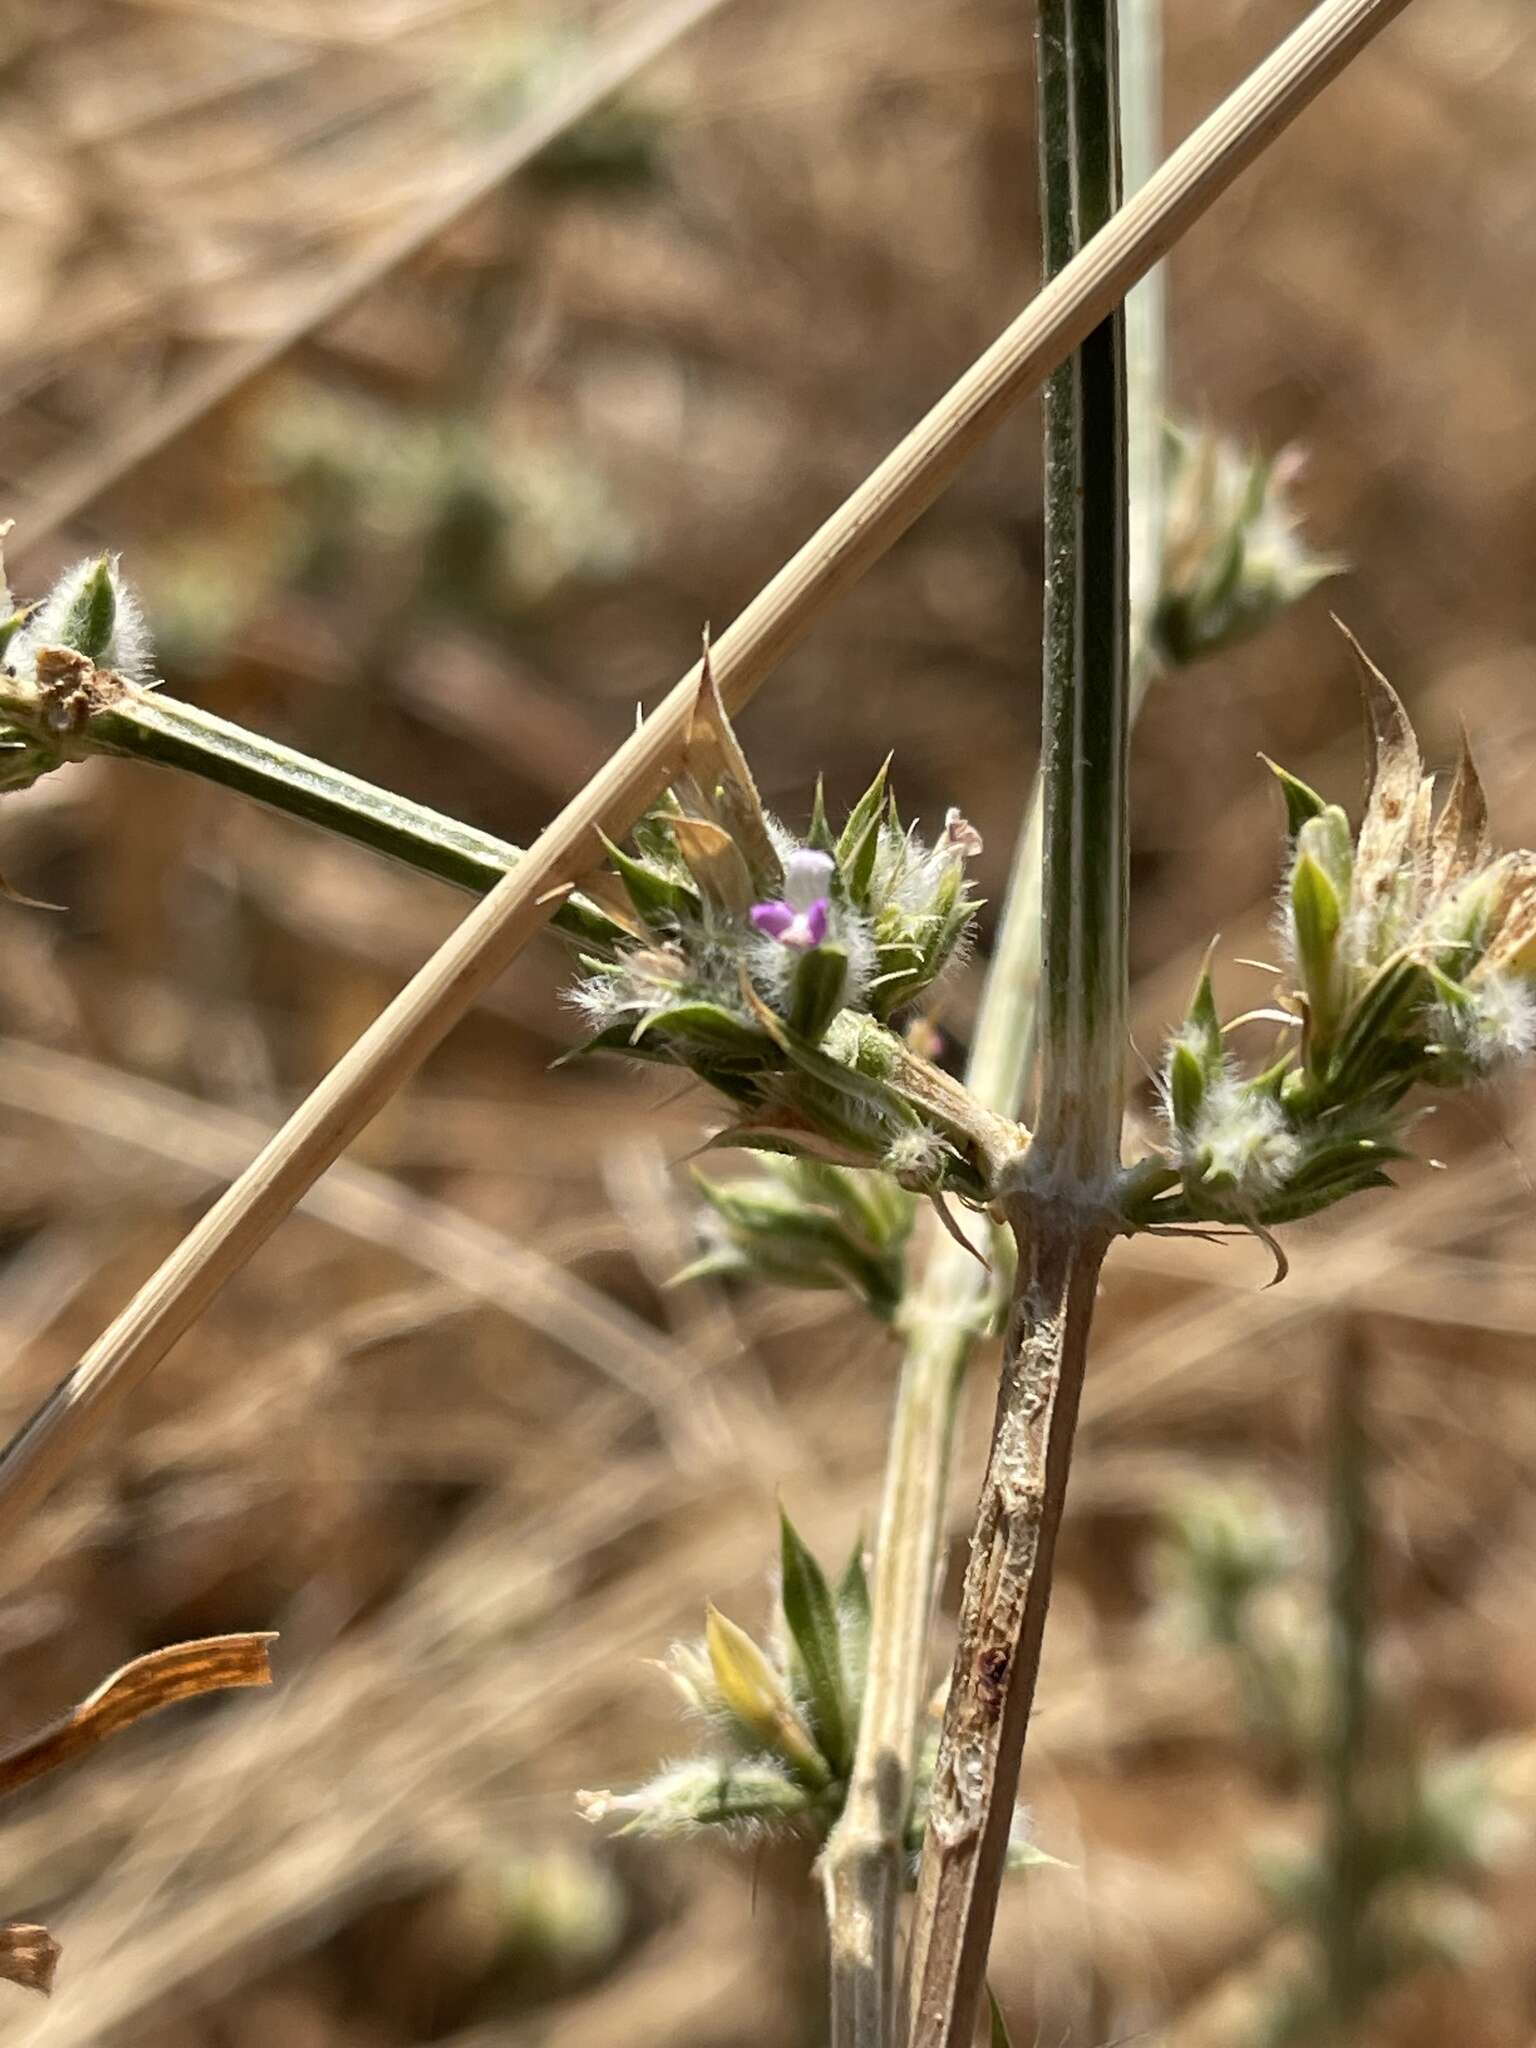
<point x="179" y="1672"/>
<point x="29" y="1955"/>
<point x="1461" y="836"/>
<point x="714" y="762"/>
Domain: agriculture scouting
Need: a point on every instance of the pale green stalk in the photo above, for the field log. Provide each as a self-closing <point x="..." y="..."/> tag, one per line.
<point x="1060" y="1204"/>
<point x="1347" y="1973"/>
<point x="147" y="725"/>
<point x="953" y="1304"/>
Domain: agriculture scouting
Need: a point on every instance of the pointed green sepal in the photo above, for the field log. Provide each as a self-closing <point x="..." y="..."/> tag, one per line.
<point x="1316" y="915"/>
<point x="816" y="993"/>
<point x="820" y="834"/>
<point x="1186" y="1086"/>
<point x="1301" y="802"/>
<point x="87" y="626"/>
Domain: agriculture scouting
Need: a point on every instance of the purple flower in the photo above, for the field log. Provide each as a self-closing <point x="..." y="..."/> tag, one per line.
<point x="800" y="919"/>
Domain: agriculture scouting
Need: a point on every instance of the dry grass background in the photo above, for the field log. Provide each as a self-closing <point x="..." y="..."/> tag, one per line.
<point x="447" y="1433"/>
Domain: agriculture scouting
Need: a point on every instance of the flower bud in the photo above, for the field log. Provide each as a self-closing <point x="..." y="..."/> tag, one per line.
<point x="92" y="611"/>
<point x="758" y="1699"/>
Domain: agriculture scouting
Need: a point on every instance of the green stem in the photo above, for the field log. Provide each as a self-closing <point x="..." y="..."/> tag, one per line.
<point x="953" y="1304"/>
<point x="1086" y="708"/>
<point x="1058" y="1206"/>
<point x="147" y="725"/>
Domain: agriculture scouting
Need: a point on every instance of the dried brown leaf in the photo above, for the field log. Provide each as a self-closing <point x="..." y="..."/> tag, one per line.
<point x="1393" y="795"/>
<point x="1512" y="921"/>
<point x="714" y="860"/>
<point x="1461" y="833"/>
<point x="180" y="1672"/>
<point x="29" y="1955"/>
<point x="713" y="760"/>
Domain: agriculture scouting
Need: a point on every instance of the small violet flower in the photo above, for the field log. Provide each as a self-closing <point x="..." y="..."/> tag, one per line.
<point x="800" y="919"/>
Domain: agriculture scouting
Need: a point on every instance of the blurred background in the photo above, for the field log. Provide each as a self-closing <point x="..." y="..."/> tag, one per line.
<point x="439" y="487"/>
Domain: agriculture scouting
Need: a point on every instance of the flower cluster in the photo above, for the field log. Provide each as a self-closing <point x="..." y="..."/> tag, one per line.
<point x="1411" y="959"/>
<point x="781" y="1721"/>
<point x="772" y="966"/>
<point x="1233" y="556"/>
<point x="806" y="1224"/>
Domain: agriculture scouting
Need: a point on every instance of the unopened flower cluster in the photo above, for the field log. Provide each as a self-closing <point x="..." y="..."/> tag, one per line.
<point x="1410" y="959"/>
<point x="1233" y="554"/>
<point x="772" y="967"/>
<point x="807" y="1224"/>
<point x="779" y="1720"/>
<point x="50" y="655"/>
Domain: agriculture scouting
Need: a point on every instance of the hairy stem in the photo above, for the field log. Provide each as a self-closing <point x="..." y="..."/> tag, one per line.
<point x="1059" y="1211"/>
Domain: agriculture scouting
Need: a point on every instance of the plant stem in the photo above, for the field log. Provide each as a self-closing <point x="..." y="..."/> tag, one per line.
<point x="1002" y="1619"/>
<point x="846" y="546"/>
<point x="864" y="1862"/>
<point x="146" y="725"/>
<point x="1060" y="1210"/>
<point x="1146" y="335"/>
<point x="1346" y="1965"/>
<point x="952" y="1306"/>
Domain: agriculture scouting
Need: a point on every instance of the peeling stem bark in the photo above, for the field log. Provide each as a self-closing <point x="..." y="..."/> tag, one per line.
<point x="1002" y="1617"/>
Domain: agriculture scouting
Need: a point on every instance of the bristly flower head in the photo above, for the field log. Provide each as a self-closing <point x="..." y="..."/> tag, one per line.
<point x="780" y="1720"/>
<point x="805" y="1224"/>
<point x="772" y="965"/>
<point x="91" y="611"/>
<point x="1233" y="555"/>
<point x="1411" y="957"/>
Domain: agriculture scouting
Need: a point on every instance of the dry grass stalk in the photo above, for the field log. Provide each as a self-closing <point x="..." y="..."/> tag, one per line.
<point x="849" y="543"/>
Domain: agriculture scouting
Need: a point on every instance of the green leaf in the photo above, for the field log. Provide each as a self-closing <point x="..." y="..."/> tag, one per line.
<point x="709" y="1026"/>
<point x="816" y="994"/>
<point x="810" y="1614"/>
